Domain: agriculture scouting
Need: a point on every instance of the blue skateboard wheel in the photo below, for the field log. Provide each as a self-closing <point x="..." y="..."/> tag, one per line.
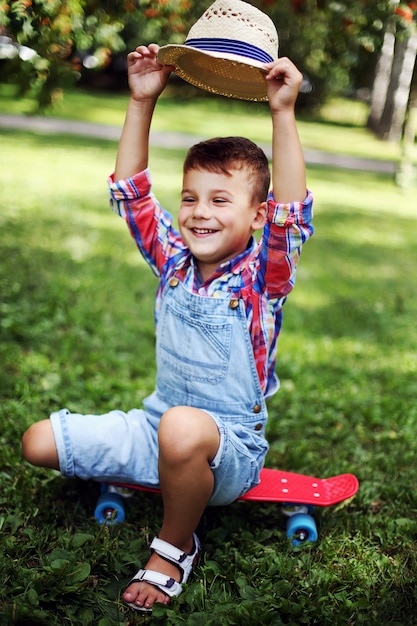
<point x="301" y="528"/>
<point x="110" y="509"/>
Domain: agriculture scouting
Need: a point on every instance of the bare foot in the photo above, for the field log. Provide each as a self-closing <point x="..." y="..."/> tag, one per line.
<point x="162" y="562"/>
<point x="143" y="594"/>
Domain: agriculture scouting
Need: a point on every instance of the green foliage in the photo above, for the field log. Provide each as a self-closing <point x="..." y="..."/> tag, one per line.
<point x="57" y="31"/>
<point x="69" y="34"/>
<point x="334" y="43"/>
<point x="76" y="329"/>
<point x="406" y="17"/>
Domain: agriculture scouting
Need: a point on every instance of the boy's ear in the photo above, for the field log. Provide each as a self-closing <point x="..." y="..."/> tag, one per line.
<point x="259" y="217"/>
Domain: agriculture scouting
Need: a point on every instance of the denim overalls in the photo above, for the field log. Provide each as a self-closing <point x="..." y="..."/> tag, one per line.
<point x="205" y="360"/>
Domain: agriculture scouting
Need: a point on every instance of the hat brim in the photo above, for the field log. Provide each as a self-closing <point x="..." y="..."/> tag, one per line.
<point x="220" y="73"/>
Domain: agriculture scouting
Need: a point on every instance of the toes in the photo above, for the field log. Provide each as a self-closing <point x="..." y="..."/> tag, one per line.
<point x="144" y="595"/>
<point x="131" y="593"/>
<point x="134" y="595"/>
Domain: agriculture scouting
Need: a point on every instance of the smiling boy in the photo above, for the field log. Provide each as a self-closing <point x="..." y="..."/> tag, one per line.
<point x="218" y="213"/>
<point x="201" y="435"/>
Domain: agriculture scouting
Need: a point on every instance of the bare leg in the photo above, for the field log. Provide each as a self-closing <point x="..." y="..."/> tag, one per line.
<point x="188" y="441"/>
<point x="38" y="445"/>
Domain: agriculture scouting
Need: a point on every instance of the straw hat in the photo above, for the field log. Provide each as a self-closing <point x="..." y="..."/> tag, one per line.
<point x="225" y="51"/>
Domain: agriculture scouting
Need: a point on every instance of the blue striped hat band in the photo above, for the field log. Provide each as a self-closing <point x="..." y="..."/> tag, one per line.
<point x="230" y="46"/>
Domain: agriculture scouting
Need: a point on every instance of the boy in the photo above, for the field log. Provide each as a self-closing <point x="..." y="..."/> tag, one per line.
<point x="219" y="306"/>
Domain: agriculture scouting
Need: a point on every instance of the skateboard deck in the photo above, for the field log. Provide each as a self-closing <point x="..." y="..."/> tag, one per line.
<point x="297" y="493"/>
<point x="278" y="486"/>
<point x="288" y="487"/>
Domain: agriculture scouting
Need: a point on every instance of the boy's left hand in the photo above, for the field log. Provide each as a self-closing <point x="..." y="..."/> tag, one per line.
<point x="283" y="83"/>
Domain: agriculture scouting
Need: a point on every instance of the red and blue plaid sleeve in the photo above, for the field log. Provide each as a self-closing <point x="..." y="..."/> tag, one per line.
<point x="150" y="225"/>
<point x="287" y="229"/>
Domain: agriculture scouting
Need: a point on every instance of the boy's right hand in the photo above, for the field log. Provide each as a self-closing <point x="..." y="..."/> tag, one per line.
<point x="283" y="83"/>
<point x="147" y="77"/>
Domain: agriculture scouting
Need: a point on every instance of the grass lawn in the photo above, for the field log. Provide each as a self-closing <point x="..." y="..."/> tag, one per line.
<point x="76" y="329"/>
<point x="339" y="129"/>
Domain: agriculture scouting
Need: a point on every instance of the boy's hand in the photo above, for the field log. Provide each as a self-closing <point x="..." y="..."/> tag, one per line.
<point x="283" y="83"/>
<point x="147" y="77"/>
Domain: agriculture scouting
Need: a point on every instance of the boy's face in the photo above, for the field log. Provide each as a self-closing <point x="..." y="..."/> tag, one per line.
<point x="217" y="216"/>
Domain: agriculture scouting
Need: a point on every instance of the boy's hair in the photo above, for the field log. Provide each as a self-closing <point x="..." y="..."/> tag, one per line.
<point x="223" y="154"/>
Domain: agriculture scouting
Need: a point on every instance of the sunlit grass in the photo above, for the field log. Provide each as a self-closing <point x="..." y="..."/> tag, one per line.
<point x="76" y="330"/>
<point x="340" y="129"/>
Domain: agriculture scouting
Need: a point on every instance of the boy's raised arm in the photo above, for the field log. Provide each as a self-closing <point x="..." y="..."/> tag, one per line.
<point x="147" y="80"/>
<point x="288" y="168"/>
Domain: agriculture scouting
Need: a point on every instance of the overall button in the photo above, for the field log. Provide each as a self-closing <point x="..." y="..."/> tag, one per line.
<point x="234" y="303"/>
<point x="258" y="427"/>
<point x="257" y="408"/>
<point x="173" y="282"/>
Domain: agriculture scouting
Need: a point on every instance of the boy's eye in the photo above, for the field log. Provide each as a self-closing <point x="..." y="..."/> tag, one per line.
<point x="219" y="200"/>
<point x="188" y="199"/>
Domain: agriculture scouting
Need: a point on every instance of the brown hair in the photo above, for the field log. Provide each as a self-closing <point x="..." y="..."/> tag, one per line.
<point x="223" y="154"/>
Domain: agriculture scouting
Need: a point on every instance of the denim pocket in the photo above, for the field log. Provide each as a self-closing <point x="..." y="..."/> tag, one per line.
<point x="194" y="348"/>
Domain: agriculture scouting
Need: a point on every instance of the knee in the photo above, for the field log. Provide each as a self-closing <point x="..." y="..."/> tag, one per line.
<point x="38" y="445"/>
<point x="174" y="441"/>
<point x="31" y="444"/>
<point x="185" y="432"/>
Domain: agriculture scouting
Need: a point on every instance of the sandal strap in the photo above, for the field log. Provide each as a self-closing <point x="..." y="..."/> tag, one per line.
<point x="183" y="561"/>
<point x="167" y="585"/>
<point x="167" y="550"/>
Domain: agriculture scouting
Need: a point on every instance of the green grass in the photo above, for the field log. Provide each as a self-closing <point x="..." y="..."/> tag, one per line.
<point x="76" y="330"/>
<point x="339" y="129"/>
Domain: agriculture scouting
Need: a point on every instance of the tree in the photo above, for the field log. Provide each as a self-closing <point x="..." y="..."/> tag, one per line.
<point x="393" y="81"/>
<point x="333" y="43"/>
<point x="68" y="36"/>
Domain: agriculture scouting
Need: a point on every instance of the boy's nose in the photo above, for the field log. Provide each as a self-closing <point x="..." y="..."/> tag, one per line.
<point x="201" y="210"/>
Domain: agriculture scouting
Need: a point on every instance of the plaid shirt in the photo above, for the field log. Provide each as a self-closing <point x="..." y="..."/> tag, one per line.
<point x="263" y="275"/>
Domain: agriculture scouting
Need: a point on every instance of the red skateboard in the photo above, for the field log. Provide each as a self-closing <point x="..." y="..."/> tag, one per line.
<point x="298" y="493"/>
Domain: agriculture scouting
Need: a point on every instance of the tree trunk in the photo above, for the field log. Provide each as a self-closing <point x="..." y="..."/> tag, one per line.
<point x="393" y="116"/>
<point x="392" y="87"/>
<point x="407" y="172"/>
<point x="382" y="79"/>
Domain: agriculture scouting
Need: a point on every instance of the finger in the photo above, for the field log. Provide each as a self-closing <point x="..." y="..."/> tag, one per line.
<point x="146" y="51"/>
<point x="281" y="69"/>
<point x="154" y="48"/>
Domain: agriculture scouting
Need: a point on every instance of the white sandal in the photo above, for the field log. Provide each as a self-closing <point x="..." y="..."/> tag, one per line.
<point x="183" y="561"/>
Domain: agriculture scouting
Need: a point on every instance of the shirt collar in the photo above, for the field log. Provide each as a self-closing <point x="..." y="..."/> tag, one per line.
<point x="232" y="266"/>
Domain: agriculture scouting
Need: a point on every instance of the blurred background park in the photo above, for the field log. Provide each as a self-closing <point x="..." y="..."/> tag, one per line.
<point x="358" y="49"/>
<point x="76" y="314"/>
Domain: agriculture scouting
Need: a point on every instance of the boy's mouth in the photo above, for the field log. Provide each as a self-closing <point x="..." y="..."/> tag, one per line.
<point x="203" y="231"/>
